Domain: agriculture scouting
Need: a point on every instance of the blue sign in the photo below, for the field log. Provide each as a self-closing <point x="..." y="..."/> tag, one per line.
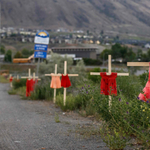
<point x="42" y="37"/>
<point x="38" y="54"/>
<point x="40" y="47"/>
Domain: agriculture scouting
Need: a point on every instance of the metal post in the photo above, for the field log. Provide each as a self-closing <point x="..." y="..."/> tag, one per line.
<point x="38" y="66"/>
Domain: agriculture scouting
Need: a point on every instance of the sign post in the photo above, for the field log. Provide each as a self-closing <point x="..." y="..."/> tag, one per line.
<point x="41" y="45"/>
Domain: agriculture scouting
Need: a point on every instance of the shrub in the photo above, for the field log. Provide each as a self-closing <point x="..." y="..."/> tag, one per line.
<point x="19" y="83"/>
<point x="43" y="91"/>
<point x="89" y="61"/>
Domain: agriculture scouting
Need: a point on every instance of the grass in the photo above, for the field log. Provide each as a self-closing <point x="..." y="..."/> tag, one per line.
<point x="3" y="79"/>
<point x="57" y="118"/>
<point x="127" y="118"/>
<point x="18" y="68"/>
<point x="19" y="91"/>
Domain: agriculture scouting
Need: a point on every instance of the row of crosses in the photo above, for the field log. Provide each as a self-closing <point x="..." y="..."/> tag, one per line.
<point x="91" y="73"/>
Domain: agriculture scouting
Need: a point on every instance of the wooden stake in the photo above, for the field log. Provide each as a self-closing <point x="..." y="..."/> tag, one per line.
<point x="29" y="75"/>
<point x="10" y="82"/>
<point x="65" y="89"/>
<point x="55" y="89"/>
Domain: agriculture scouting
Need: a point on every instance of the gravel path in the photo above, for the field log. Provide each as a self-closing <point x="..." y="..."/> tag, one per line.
<point x="31" y="125"/>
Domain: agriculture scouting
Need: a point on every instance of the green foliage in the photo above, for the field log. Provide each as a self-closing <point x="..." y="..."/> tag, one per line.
<point x="105" y="53"/>
<point x="26" y="53"/>
<point x="72" y="103"/>
<point x="18" y="55"/>
<point x="3" y="79"/>
<point x="57" y="118"/>
<point x="114" y="138"/>
<point x="95" y="78"/>
<point x="130" y="56"/>
<point x="144" y="78"/>
<point x="89" y="61"/>
<point x="2" y="49"/>
<point x="43" y="91"/>
<point x="19" y="91"/>
<point x="19" y="83"/>
<point x="49" y="67"/>
<point x="116" y="51"/>
<point x="8" y="56"/>
<point x="126" y="53"/>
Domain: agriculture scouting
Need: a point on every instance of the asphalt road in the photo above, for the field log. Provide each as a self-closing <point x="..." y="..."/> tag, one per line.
<point x="30" y="125"/>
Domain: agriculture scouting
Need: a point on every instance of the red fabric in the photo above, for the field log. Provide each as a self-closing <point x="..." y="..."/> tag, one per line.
<point x="27" y="88"/>
<point x="65" y="81"/>
<point x="30" y="84"/>
<point x="146" y="90"/>
<point x="108" y="84"/>
<point x="10" y="79"/>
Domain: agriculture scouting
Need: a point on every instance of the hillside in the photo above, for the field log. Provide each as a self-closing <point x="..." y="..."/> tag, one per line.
<point x="124" y="16"/>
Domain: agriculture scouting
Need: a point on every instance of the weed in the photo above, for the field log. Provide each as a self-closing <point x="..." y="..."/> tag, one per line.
<point x="57" y="118"/>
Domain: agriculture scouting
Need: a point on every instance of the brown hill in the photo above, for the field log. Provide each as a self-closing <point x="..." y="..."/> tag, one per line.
<point x="124" y="16"/>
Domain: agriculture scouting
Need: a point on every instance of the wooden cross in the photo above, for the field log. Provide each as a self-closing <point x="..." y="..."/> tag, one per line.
<point x="29" y="77"/>
<point x="65" y="73"/>
<point x="109" y="73"/>
<point x="52" y="74"/>
<point x="70" y="75"/>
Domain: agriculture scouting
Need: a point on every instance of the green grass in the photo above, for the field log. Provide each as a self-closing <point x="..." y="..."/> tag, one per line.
<point x="18" y="68"/>
<point x="3" y="79"/>
<point x="19" y="91"/>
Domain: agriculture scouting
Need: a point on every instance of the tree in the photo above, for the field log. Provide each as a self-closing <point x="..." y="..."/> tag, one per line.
<point x="123" y="51"/>
<point x="105" y="54"/>
<point x="2" y="49"/>
<point x="130" y="55"/>
<point x="27" y="53"/>
<point x="8" y="56"/>
<point x="18" y="55"/>
<point x="116" y="50"/>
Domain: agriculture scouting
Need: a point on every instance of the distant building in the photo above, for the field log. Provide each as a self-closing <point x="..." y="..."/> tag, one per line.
<point x="80" y="52"/>
<point x="147" y="45"/>
<point x="2" y="58"/>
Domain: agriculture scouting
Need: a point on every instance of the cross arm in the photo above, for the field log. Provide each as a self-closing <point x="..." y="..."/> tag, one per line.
<point x="52" y="74"/>
<point x="70" y="75"/>
<point x="137" y="63"/>
<point x="73" y="75"/>
<point x="118" y="74"/>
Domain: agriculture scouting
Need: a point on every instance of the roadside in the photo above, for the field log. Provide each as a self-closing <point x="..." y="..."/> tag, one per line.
<point x="32" y="125"/>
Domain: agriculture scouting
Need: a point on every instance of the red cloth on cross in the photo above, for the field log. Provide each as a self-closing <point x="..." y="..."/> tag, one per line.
<point x="146" y="90"/>
<point x="108" y="84"/>
<point x="27" y="88"/>
<point x="65" y="81"/>
<point x="10" y="79"/>
<point x="30" y="84"/>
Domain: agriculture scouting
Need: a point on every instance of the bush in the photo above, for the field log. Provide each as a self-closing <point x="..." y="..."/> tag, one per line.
<point x="8" y="56"/>
<point x="89" y="61"/>
<point x="43" y="91"/>
<point x="19" y="83"/>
